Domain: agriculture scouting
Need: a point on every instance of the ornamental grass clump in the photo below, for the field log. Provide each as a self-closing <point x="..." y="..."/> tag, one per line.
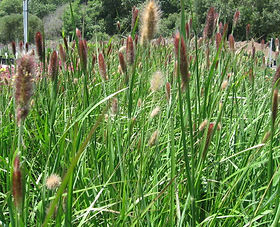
<point x="24" y="86"/>
<point x="149" y="21"/>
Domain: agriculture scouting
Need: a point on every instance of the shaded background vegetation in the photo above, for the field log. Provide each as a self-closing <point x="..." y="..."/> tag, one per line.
<point x="98" y="18"/>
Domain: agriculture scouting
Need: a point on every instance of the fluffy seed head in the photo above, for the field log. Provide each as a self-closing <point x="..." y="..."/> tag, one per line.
<point x="62" y="53"/>
<point x="203" y="125"/>
<point x="155" y="112"/>
<point x="224" y="84"/>
<point x="17" y="184"/>
<point x="231" y="42"/>
<point x="153" y="138"/>
<point x="24" y="85"/>
<point x="83" y="53"/>
<point x="102" y="66"/>
<point x="135" y="12"/>
<point x="114" y="106"/>
<point x="210" y="23"/>
<point x="53" y="181"/>
<point x="236" y="17"/>
<point x="129" y="50"/>
<point x="150" y="20"/>
<point x="157" y="81"/>
<point x="53" y="66"/>
<point x="122" y="62"/>
<point x="218" y="40"/>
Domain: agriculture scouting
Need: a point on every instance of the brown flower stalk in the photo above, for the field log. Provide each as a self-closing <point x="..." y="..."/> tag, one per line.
<point x="231" y="42"/>
<point x="62" y="54"/>
<point x="274" y="105"/>
<point x="122" y="62"/>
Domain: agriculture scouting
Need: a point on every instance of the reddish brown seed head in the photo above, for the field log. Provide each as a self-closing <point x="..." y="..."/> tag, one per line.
<point x="210" y="23"/>
<point x="135" y="12"/>
<point x="236" y="17"/>
<point x="26" y="47"/>
<point x="129" y="51"/>
<point x="276" y="78"/>
<point x="102" y="66"/>
<point x="231" y="42"/>
<point x="187" y="27"/>
<point x="17" y="184"/>
<point x="20" y="46"/>
<point x="122" y="62"/>
<point x="218" y="40"/>
<point x="39" y="45"/>
<point x="53" y="66"/>
<point x="24" y="85"/>
<point x="168" y="91"/>
<point x="13" y="44"/>
<point x="93" y="60"/>
<point x="62" y="53"/>
<point x="83" y="53"/>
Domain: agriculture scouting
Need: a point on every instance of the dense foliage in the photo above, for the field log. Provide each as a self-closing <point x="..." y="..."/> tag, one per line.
<point x="98" y="18"/>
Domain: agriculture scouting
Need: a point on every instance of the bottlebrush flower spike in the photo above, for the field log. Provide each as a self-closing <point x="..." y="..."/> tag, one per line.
<point x="24" y="86"/>
<point x="13" y="44"/>
<point x="17" y="184"/>
<point x="187" y="27"/>
<point x="62" y="54"/>
<point x="135" y="12"/>
<point x="26" y="47"/>
<point x="129" y="51"/>
<point x="39" y="45"/>
<point x="102" y="66"/>
<point x="218" y="40"/>
<point x="150" y="20"/>
<point x="209" y="25"/>
<point x="83" y="53"/>
<point x="168" y="91"/>
<point x="122" y="62"/>
<point x="236" y="17"/>
<point x="231" y="42"/>
<point x="274" y="105"/>
<point x="53" y="66"/>
<point x="20" y="46"/>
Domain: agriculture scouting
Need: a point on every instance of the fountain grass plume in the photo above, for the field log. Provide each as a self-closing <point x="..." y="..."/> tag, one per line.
<point x="24" y="86"/>
<point x="149" y="21"/>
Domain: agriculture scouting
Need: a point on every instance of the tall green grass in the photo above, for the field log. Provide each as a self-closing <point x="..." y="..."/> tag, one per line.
<point x="111" y="176"/>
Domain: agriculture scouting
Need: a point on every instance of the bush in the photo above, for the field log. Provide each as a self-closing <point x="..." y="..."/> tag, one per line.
<point x="15" y="22"/>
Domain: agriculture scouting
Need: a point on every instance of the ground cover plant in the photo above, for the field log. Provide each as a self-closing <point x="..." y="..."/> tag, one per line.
<point x="165" y="132"/>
